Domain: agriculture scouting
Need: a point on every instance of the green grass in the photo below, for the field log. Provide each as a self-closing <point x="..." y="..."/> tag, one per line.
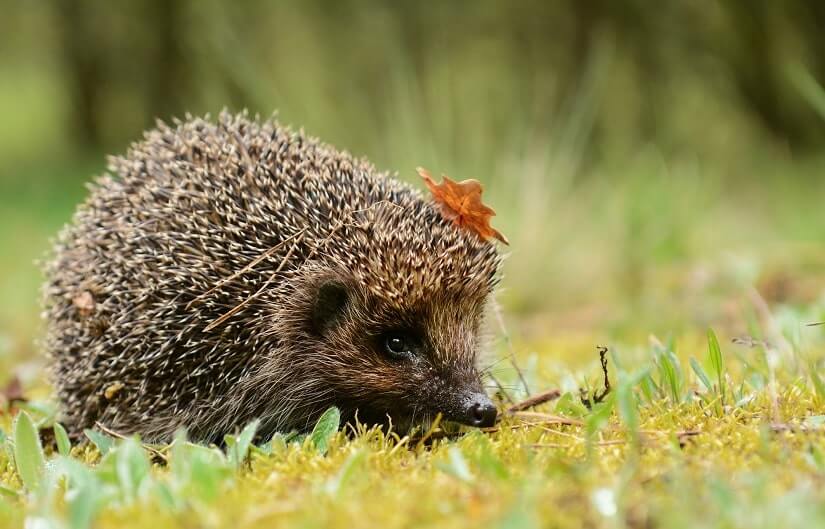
<point x="693" y="434"/>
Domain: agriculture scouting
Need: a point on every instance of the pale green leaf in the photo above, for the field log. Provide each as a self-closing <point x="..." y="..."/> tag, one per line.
<point x="102" y="441"/>
<point x="325" y="428"/>
<point x="131" y="467"/>
<point x="64" y="446"/>
<point x="28" y="452"/>
<point x="239" y="446"/>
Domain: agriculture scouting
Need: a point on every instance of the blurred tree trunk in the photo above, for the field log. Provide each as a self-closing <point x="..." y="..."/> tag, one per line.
<point x="813" y="21"/>
<point x="754" y="66"/>
<point x="84" y="60"/>
<point x="145" y="53"/>
<point x="169" y="92"/>
<point x="759" y="66"/>
<point x="129" y="62"/>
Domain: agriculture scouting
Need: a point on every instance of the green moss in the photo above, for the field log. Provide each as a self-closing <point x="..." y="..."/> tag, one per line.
<point x="695" y="464"/>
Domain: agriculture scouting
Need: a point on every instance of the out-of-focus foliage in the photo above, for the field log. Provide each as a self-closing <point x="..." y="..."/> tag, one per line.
<point x="684" y="75"/>
<point x="638" y="156"/>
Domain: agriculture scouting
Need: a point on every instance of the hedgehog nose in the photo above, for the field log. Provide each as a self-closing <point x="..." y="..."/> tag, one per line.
<point x="481" y="412"/>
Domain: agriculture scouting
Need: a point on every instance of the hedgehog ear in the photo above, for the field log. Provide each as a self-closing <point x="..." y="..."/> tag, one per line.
<point x="329" y="305"/>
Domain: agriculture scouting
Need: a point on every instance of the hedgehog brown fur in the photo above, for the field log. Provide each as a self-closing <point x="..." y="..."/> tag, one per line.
<point x="240" y="270"/>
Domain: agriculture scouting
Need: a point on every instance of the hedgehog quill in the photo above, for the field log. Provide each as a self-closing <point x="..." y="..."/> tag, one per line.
<point x="232" y="270"/>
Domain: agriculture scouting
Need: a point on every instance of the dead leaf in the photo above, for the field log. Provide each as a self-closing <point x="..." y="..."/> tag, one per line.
<point x="112" y="390"/>
<point x="85" y="303"/>
<point x="461" y="203"/>
<point x="12" y="392"/>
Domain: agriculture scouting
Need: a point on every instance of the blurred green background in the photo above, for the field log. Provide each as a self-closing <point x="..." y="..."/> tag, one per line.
<point x="655" y="167"/>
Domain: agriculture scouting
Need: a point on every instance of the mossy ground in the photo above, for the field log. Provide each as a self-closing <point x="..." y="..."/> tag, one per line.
<point x="662" y="450"/>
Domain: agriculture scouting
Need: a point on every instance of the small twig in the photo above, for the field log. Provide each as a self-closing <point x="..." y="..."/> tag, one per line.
<point x="106" y="429"/>
<point x="245" y="269"/>
<point x="118" y="435"/>
<point x="340" y="224"/>
<point x="237" y="308"/>
<point x="509" y="342"/>
<point x="815" y="324"/>
<point x="501" y="388"/>
<point x="603" y="361"/>
<point x="598" y="397"/>
<point x="749" y="341"/>
<point x="796" y="428"/>
<point x="378" y="203"/>
<point x="611" y="442"/>
<point x="544" y="420"/>
<point x="560" y="433"/>
<point x="535" y="400"/>
<point x="547" y="418"/>
<point x="492" y="429"/>
<point x="681" y="435"/>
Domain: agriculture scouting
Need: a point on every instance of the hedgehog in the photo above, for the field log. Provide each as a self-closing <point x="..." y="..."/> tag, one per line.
<point x="230" y="270"/>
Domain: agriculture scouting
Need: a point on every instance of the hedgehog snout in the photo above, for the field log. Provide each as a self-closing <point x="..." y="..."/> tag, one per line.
<point x="473" y="408"/>
<point x="479" y="411"/>
<point x="467" y="404"/>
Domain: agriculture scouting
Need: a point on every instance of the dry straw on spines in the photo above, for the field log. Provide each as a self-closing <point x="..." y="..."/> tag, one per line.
<point x="193" y="261"/>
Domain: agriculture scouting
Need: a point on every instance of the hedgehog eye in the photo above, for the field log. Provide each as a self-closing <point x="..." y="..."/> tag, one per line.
<point x="398" y="345"/>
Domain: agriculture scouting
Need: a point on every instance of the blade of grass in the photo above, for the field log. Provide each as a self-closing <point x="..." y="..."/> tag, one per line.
<point x="670" y="375"/>
<point x="717" y="362"/>
<point x="819" y="385"/>
<point x="700" y="373"/>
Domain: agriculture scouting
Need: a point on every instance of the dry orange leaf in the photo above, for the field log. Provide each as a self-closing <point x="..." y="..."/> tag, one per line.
<point x="461" y="203"/>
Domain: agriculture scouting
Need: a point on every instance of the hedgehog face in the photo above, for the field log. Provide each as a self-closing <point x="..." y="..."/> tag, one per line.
<point x="400" y="361"/>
